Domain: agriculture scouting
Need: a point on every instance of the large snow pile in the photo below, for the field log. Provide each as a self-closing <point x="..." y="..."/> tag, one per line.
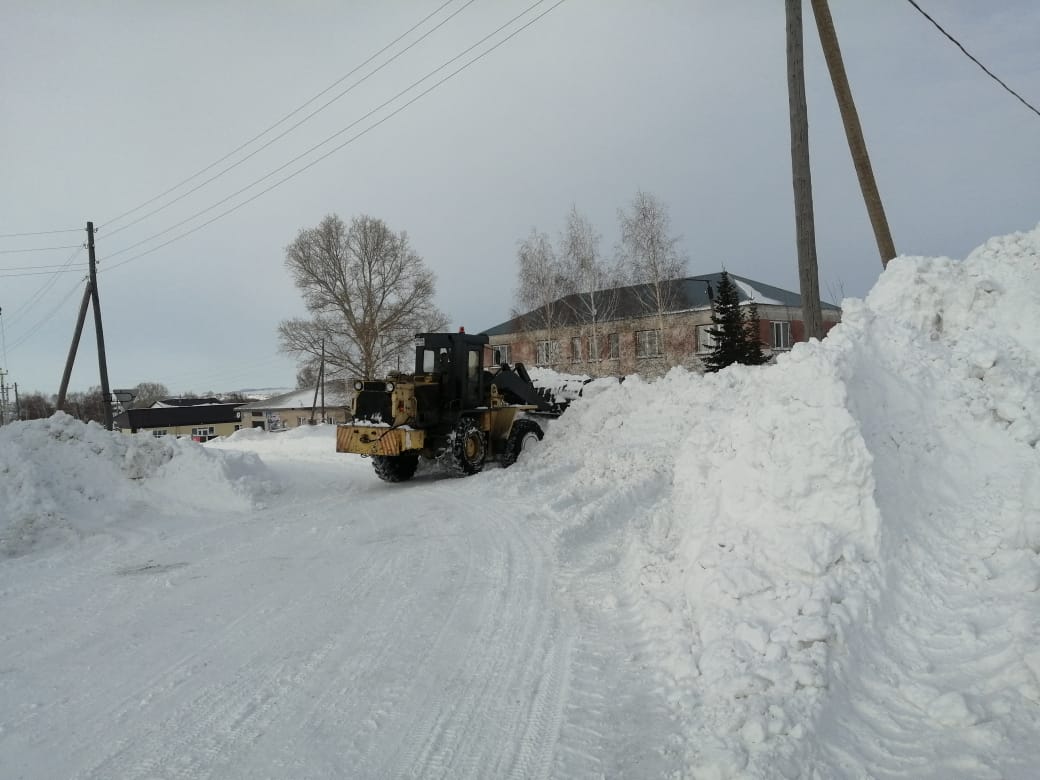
<point x="835" y="558"/>
<point x="61" y="479"/>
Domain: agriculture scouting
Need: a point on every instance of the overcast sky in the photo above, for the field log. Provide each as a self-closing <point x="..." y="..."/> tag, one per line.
<point x="105" y="105"/>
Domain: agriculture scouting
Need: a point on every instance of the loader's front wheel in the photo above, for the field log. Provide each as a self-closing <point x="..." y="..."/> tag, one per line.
<point x="469" y="447"/>
<point x="525" y="434"/>
<point x="395" y="468"/>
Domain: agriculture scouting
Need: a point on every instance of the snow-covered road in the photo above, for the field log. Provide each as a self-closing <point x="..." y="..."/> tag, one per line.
<point x="346" y="629"/>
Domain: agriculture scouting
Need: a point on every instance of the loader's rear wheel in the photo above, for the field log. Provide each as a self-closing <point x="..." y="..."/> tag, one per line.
<point x="525" y="433"/>
<point x="396" y="468"/>
<point x="469" y="447"/>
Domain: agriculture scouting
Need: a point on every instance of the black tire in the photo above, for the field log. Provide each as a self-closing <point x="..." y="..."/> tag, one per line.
<point x="468" y="447"/>
<point x="396" y="468"/>
<point x="523" y="434"/>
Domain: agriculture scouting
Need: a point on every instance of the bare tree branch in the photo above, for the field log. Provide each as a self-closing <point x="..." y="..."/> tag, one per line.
<point x="368" y="292"/>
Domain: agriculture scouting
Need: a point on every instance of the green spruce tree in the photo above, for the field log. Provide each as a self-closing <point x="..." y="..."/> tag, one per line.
<point x="753" y="355"/>
<point x="728" y="330"/>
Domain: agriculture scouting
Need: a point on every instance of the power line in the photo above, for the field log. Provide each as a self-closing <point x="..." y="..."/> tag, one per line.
<point x="30" y="267"/>
<point x="287" y="117"/>
<point x="43" y="320"/>
<point x="40" y="233"/>
<point x="58" y="270"/>
<point x="986" y="70"/>
<point x="288" y="130"/>
<point x="45" y="287"/>
<point x="37" y="249"/>
<point x="334" y="135"/>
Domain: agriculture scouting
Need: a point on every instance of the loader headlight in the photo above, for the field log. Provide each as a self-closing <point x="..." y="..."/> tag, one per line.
<point x="389" y="387"/>
<point x="359" y="385"/>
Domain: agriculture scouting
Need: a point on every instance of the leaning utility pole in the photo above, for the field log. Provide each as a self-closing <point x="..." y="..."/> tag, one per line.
<point x="73" y="348"/>
<point x="805" y="229"/>
<point x="853" y="131"/>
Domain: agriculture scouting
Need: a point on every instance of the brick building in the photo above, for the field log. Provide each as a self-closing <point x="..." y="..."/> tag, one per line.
<point x="628" y="336"/>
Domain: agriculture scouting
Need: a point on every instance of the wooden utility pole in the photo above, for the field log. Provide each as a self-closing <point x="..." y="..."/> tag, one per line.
<point x="71" y="359"/>
<point x="319" y="383"/>
<point x="853" y="130"/>
<point x="805" y="229"/>
<point x="102" y="363"/>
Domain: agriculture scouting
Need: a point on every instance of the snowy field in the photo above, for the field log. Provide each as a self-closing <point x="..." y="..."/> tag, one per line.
<point x="827" y="568"/>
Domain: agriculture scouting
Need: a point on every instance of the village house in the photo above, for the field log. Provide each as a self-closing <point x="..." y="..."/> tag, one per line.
<point x="291" y="410"/>
<point x="623" y="330"/>
<point x="201" y="419"/>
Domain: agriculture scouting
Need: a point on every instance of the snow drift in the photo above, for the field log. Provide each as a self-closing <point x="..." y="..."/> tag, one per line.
<point x="61" y="479"/>
<point x="835" y="558"/>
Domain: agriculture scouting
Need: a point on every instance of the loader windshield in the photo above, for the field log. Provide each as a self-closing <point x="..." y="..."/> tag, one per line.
<point x="435" y="361"/>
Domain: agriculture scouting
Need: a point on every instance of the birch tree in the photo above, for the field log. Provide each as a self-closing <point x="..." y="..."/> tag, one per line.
<point x="595" y="281"/>
<point x="542" y="280"/>
<point x="651" y="255"/>
<point x="368" y="293"/>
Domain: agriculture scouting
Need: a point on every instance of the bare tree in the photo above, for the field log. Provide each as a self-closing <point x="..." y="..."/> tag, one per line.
<point x="36" y="406"/>
<point x="542" y="280"/>
<point x="88" y="406"/>
<point x="147" y="393"/>
<point x="652" y="257"/>
<point x="595" y="282"/>
<point x="368" y="293"/>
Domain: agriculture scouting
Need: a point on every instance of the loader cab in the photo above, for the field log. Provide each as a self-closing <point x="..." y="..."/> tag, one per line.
<point x="457" y="362"/>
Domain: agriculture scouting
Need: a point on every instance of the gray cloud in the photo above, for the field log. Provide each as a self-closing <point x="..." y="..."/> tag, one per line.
<point x="106" y="105"/>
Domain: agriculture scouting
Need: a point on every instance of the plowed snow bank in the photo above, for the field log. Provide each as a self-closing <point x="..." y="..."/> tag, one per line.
<point x="61" y="479"/>
<point x="836" y="557"/>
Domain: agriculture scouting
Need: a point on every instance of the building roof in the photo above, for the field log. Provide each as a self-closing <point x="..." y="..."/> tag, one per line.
<point x="297" y="399"/>
<point x="173" y="416"/>
<point x="684" y="294"/>
<point x="184" y="402"/>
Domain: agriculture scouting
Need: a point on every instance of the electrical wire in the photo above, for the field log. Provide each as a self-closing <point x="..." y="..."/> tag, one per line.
<point x="986" y="70"/>
<point x="334" y="135"/>
<point x="45" y="287"/>
<point x="40" y="233"/>
<point x="59" y="270"/>
<point x="37" y="249"/>
<point x="288" y="130"/>
<point x="288" y="116"/>
<point x="3" y="269"/>
<point x="43" y="320"/>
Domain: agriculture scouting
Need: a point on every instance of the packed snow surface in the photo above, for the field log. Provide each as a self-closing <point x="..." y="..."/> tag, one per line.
<point x="829" y="567"/>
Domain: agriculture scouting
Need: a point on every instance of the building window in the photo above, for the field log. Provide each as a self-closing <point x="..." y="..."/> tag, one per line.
<point x="576" y="349"/>
<point x="614" y="345"/>
<point x="202" y="434"/>
<point x="160" y="432"/>
<point x="502" y="353"/>
<point x="547" y="353"/>
<point x="705" y="338"/>
<point x="648" y="343"/>
<point x="781" y="335"/>
<point x="238" y="427"/>
<point x="593" y="348"/>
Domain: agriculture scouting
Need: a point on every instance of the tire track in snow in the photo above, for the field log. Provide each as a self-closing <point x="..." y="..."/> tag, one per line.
<point x="521" y="676"/>
<point x="209" y="722"/>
